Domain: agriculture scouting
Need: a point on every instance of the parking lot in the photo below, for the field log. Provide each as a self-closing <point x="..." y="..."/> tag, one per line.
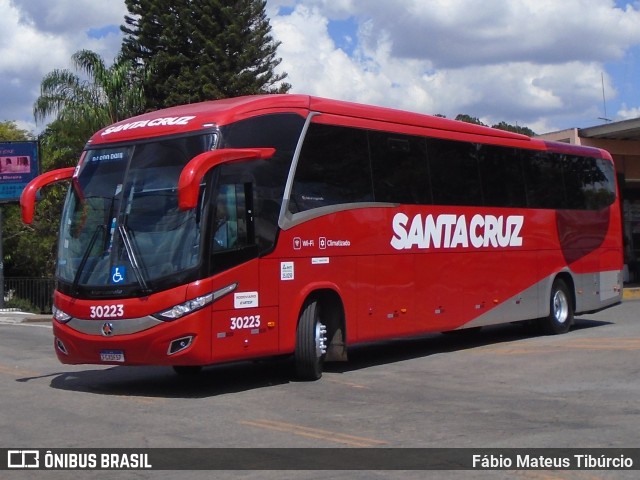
<point x="500" y="387"/>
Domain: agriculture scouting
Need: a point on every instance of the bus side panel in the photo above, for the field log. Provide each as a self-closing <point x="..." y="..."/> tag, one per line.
<point x="248" y="333"/>
<point x="387" y="295"/>
<point x="588" y="243"/>
<point x="524" y="300"/>
<point x="459" y="286"/>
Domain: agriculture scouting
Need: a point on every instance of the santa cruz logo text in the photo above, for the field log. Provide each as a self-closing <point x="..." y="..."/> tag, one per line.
<point x="451" y="231"/>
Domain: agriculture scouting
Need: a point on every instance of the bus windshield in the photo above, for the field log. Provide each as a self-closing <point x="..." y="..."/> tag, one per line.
<point x="121" y="224"/>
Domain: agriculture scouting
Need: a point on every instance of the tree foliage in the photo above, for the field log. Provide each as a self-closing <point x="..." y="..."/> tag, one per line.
<point x="195" y="50"/>
<point x="463" y="117"/>
<point x="10" y="132"/>
<point x="103" y="95"/>
<point x="500" y="126"/>
<point x="515" y="128"/>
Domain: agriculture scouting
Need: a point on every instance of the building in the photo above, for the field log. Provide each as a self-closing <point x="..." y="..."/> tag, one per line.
<point x="622" y="140"/>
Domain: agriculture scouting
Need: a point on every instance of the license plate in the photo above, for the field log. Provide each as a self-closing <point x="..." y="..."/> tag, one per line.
<point x="112" y="356"/>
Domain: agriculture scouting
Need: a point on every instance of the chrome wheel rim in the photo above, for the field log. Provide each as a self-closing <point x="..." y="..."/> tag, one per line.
<point x="560" y="307"/>
<point x="321" y="339"/>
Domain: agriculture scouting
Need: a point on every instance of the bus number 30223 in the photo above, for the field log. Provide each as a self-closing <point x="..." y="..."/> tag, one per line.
<point x="251" y="321"/>
<point x="106" y="311"/>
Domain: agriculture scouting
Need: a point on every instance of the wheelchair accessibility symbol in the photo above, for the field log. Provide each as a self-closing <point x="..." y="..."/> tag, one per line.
<point x="118" y="274"/>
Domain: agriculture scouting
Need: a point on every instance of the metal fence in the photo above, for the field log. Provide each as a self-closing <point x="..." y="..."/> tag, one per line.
<point x="29" y="294"/>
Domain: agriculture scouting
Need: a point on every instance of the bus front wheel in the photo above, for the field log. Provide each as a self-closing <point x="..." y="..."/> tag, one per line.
<point x="311" y="343"/>
<point x="560" y="316"/>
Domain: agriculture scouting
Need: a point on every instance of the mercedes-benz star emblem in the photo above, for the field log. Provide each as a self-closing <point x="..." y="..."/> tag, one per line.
<point x="107" y="329"/>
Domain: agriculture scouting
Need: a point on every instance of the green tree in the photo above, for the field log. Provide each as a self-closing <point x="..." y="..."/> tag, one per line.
<point x="103" y="96"/>
<point x="463" y="117"/>
<point x="9" y="132"/>
<point x="195" y="50"/>
<point x="514" y="128"/>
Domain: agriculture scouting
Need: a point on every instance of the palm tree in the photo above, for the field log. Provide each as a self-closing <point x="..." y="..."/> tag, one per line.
<point x="105" y="95"/>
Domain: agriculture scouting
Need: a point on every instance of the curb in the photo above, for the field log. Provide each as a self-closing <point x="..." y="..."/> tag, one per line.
<point x="23" y="317"/>
<point x="37" y="318"/>
<point x="631" y="293"/>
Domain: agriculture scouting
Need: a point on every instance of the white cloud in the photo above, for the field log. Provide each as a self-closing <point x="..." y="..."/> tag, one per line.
<point x="70" y="17"/>
<point x="535" y="62"/>
<point x="39" y="36"/>
<point x="466" y="32"/>
<point x="626" y="113"/>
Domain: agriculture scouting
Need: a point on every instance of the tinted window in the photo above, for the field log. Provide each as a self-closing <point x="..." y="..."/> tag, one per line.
<point x="346" y="165"/>
<point x="333" y="169"/>
<point x="589" y="182"/>
<point x="544" y="180"/>
<point x="399" y="164"/>
<point x="453" y="167"/>
<point x="269" y="176"/>
<point x="502" y="177"/>
<point x="279" y="131"/>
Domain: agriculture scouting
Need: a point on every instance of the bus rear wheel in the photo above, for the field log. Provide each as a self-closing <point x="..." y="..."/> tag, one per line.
<point x="560" y="316"/>
<point x="311" y="343"/>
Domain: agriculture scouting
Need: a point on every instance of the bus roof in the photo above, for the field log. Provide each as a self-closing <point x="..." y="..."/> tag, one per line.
<point x="196" y="116"/>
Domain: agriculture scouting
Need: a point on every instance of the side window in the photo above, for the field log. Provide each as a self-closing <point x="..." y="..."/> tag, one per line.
<point x="399" y="164"/>
<point x="502" y="177"/>
<point x="453" y="167"/>
<point x="230" y="220"/>
<point x="280" y="131"/>
<point x="269" y="176"/>
<point x="544" y="179"/>
<point x="601" y="192"/>
<point x="589" y="182"/>
<point x="333" y="169"/>
<point x="577" y="172"/>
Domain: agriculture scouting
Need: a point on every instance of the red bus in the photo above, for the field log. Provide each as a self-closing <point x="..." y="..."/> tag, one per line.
<point x="276" y="225"/>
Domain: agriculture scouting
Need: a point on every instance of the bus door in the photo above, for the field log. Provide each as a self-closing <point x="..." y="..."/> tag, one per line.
<point x="241" y="324"/>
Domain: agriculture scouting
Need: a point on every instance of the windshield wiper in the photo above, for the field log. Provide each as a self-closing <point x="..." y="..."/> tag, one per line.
<point x="133" y="258"/>
<point x="85" y="257"/>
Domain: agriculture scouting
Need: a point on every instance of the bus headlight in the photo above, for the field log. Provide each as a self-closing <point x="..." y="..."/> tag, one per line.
<point x="59" y="315"/>
<point x="190" y="306"/>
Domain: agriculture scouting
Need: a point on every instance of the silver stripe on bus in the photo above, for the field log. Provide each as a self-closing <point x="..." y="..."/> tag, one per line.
<point x="120" y="326"/>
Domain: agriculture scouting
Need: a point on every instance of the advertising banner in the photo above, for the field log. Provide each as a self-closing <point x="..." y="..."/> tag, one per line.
<point x="19" y="164"/>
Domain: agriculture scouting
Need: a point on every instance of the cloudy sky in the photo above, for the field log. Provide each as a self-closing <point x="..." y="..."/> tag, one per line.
<point x="537" y="63"/>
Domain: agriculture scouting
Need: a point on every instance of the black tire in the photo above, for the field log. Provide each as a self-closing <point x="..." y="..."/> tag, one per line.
<point x="560" y="316"/>
<point x="311" y="343"/>
<point x="187" y="370"/>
